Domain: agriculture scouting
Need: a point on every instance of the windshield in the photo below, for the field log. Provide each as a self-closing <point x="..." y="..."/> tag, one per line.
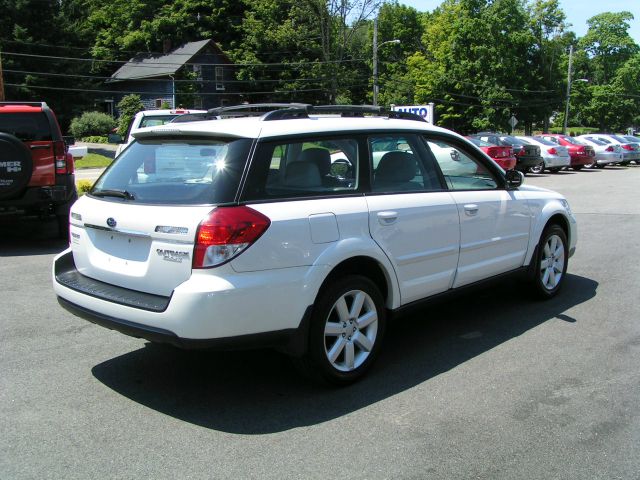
<point x="572" y="141"/>
<point x="513" y="140"/>
<point x="176" y="171"/>
<point x="619" y="139"/>
<point x="546" y="142"/>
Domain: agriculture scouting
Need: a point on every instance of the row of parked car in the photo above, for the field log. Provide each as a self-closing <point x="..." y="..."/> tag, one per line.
<point x="554" y="152"/>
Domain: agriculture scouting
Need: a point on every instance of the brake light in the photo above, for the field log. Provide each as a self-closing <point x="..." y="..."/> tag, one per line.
<point x="626" y="146"/>
<point x="552" y="151"/>
<point x="60" y="157"/>
<point x="493" y="151"/>
<point x="581" y="151"/>
<point x="225" y="233"/>
<point x="609" y="149"/>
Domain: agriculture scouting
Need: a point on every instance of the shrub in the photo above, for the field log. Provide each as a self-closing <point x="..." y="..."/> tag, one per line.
<point x="128" y="107"/>
<point x="84" y="186"/>
<point x="91" y="123"/>
<point x="95" y="139"/>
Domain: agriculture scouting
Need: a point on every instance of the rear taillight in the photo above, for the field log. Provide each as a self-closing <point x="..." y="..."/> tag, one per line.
<point x="61" y="158"/>
<point x="493" y="152"/>
<point x="552" y="151"/>
<point x="626" y="146"/>
<point x="609" y="149"/>
<point x="225" y="233"/>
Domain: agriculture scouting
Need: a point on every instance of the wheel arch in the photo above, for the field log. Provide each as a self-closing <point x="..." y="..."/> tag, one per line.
<point x="368" y="267"/>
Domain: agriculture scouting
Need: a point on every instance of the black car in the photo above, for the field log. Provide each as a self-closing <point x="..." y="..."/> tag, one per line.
<point x="528" y="158"/>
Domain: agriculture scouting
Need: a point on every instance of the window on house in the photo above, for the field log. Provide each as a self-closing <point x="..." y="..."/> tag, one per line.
<point x="158" y="102"/>
<point x="219" y="78"/>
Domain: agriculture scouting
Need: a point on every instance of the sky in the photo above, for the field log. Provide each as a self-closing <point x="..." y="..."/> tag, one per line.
<point x="577" y="12"/>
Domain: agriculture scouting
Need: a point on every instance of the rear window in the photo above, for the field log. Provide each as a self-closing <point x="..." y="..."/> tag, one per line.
<point x="156" y="120"/>
<point x="28" y="127"/>
<point x="176" y="172"/>
<point x="572" y="141"/>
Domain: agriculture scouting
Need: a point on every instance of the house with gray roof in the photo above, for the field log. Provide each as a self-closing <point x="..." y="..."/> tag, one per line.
<point x="194" y="75"/>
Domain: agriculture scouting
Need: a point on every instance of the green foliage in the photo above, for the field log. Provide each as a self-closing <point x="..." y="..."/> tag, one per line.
<point x="83" y="186"/>
<point x="95" y="139"/>
<point x="93" y="160"/>
<point x="128" y="107"/>
<point x="92" y="123"/>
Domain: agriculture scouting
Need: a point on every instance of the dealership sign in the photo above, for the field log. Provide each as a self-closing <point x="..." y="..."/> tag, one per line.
<point x="425" y="111"/>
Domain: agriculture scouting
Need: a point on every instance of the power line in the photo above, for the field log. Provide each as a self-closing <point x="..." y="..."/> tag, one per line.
<point x="164" y="64"/>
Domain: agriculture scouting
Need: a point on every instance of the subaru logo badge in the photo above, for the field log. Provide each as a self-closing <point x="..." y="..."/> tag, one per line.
<point x="111" y="222"/>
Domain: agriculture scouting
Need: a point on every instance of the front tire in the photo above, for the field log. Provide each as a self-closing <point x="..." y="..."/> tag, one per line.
<point x="549" y="266"/>
<point x="346" y="331"/>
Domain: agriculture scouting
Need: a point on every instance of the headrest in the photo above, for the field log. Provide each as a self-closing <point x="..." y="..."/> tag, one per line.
<point x="396" y="167"/>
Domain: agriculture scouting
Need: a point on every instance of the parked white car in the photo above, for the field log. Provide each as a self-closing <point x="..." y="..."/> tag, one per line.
<point x="151" y="118"/>
<point x="606" y="153"/>
<point x="556" y="157"/>
<point x="630" y="150"/>
<point x="235" y="233"/>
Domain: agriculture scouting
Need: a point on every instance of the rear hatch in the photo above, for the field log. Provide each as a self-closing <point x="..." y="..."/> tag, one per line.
<point x="136" y="228"/>
<point x="146" y="248"/>
<point x="31" y="126"/>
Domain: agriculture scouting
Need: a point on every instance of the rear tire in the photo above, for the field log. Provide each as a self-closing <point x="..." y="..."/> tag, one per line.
<point x="577" y="167"/>
<point x="549" y="266"/>
<point x="346" y="331"/>
<point x="537" y="168"/>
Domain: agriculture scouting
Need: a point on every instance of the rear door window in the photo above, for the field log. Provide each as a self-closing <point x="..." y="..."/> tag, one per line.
<point x="398" y="165"/>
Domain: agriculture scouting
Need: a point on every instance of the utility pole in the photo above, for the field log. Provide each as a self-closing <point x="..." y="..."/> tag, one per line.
<point x="375" y="61"/>
<point x="566" y="110"/>
<point x="1" y="80"/>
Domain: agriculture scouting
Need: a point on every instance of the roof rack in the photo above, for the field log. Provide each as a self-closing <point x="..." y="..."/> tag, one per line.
<point x="32" y="104"/>
<point x="289" y="111"/>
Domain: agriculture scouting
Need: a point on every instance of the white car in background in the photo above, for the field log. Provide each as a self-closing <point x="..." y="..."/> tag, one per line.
<point x="235" y="232"/>
<point x="151" y="118"/>
<point x="606" y="153"/>
<point x="630" y="150"/>
<point x="556" y="157"/>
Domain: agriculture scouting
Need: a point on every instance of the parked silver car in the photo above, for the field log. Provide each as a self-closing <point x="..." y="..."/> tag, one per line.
<point x="630" y="150"/>
<point x="556" y="157"/>
<point x="606" y="153"/>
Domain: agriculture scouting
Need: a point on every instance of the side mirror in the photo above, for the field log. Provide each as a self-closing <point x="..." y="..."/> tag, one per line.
<point x="514" y="179"/>
<point x="115" y="138"/>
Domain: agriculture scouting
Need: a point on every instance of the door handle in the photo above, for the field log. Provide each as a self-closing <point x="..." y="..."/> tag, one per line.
<point x="471" y="209"/>
<point x="387" y="217"/>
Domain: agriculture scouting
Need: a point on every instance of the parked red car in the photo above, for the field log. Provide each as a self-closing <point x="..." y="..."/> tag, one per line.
<point x="503" y="156"/>
<point x="581" y="154"/>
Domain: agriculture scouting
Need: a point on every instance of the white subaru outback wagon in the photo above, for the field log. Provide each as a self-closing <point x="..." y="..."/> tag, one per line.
<point x="302" y="228"/>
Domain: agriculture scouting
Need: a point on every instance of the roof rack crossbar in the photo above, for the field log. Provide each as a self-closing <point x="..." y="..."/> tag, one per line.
<point x="34" y="104"/>
<point x="288" y="111"/>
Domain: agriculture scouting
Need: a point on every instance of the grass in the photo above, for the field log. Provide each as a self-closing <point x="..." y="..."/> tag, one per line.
<point x="93" y="160"/>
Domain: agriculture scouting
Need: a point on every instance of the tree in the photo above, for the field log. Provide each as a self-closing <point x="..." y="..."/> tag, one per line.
<point x="128" y="107"/>
<point x="396" y="22"/>
<point x="609" y="44"/>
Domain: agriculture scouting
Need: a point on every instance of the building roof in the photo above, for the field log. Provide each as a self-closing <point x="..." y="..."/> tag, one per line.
<point x="147" y="65"/>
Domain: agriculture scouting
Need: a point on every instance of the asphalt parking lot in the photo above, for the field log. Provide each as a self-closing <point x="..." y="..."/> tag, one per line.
<point x="494" y="385"/>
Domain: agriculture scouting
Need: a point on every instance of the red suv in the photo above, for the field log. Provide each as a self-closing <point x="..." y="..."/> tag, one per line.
<point x="36" y="170"/>
<point x="580" y="153"/>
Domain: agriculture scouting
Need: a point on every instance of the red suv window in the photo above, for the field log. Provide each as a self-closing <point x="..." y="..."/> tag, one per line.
<point x="28" y="127"/>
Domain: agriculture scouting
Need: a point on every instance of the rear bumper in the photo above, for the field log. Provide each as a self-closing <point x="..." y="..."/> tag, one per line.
<point x="606" y="158"/>
<point x="206" y="311"/>
<point x="524" y="163"/>
<point x="290" y="340"/>
<point x="581" y="160"/>
<point x="41" y="199"/>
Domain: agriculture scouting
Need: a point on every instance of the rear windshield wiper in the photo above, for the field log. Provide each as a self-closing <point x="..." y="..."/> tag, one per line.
<point x="114" y="193"/>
